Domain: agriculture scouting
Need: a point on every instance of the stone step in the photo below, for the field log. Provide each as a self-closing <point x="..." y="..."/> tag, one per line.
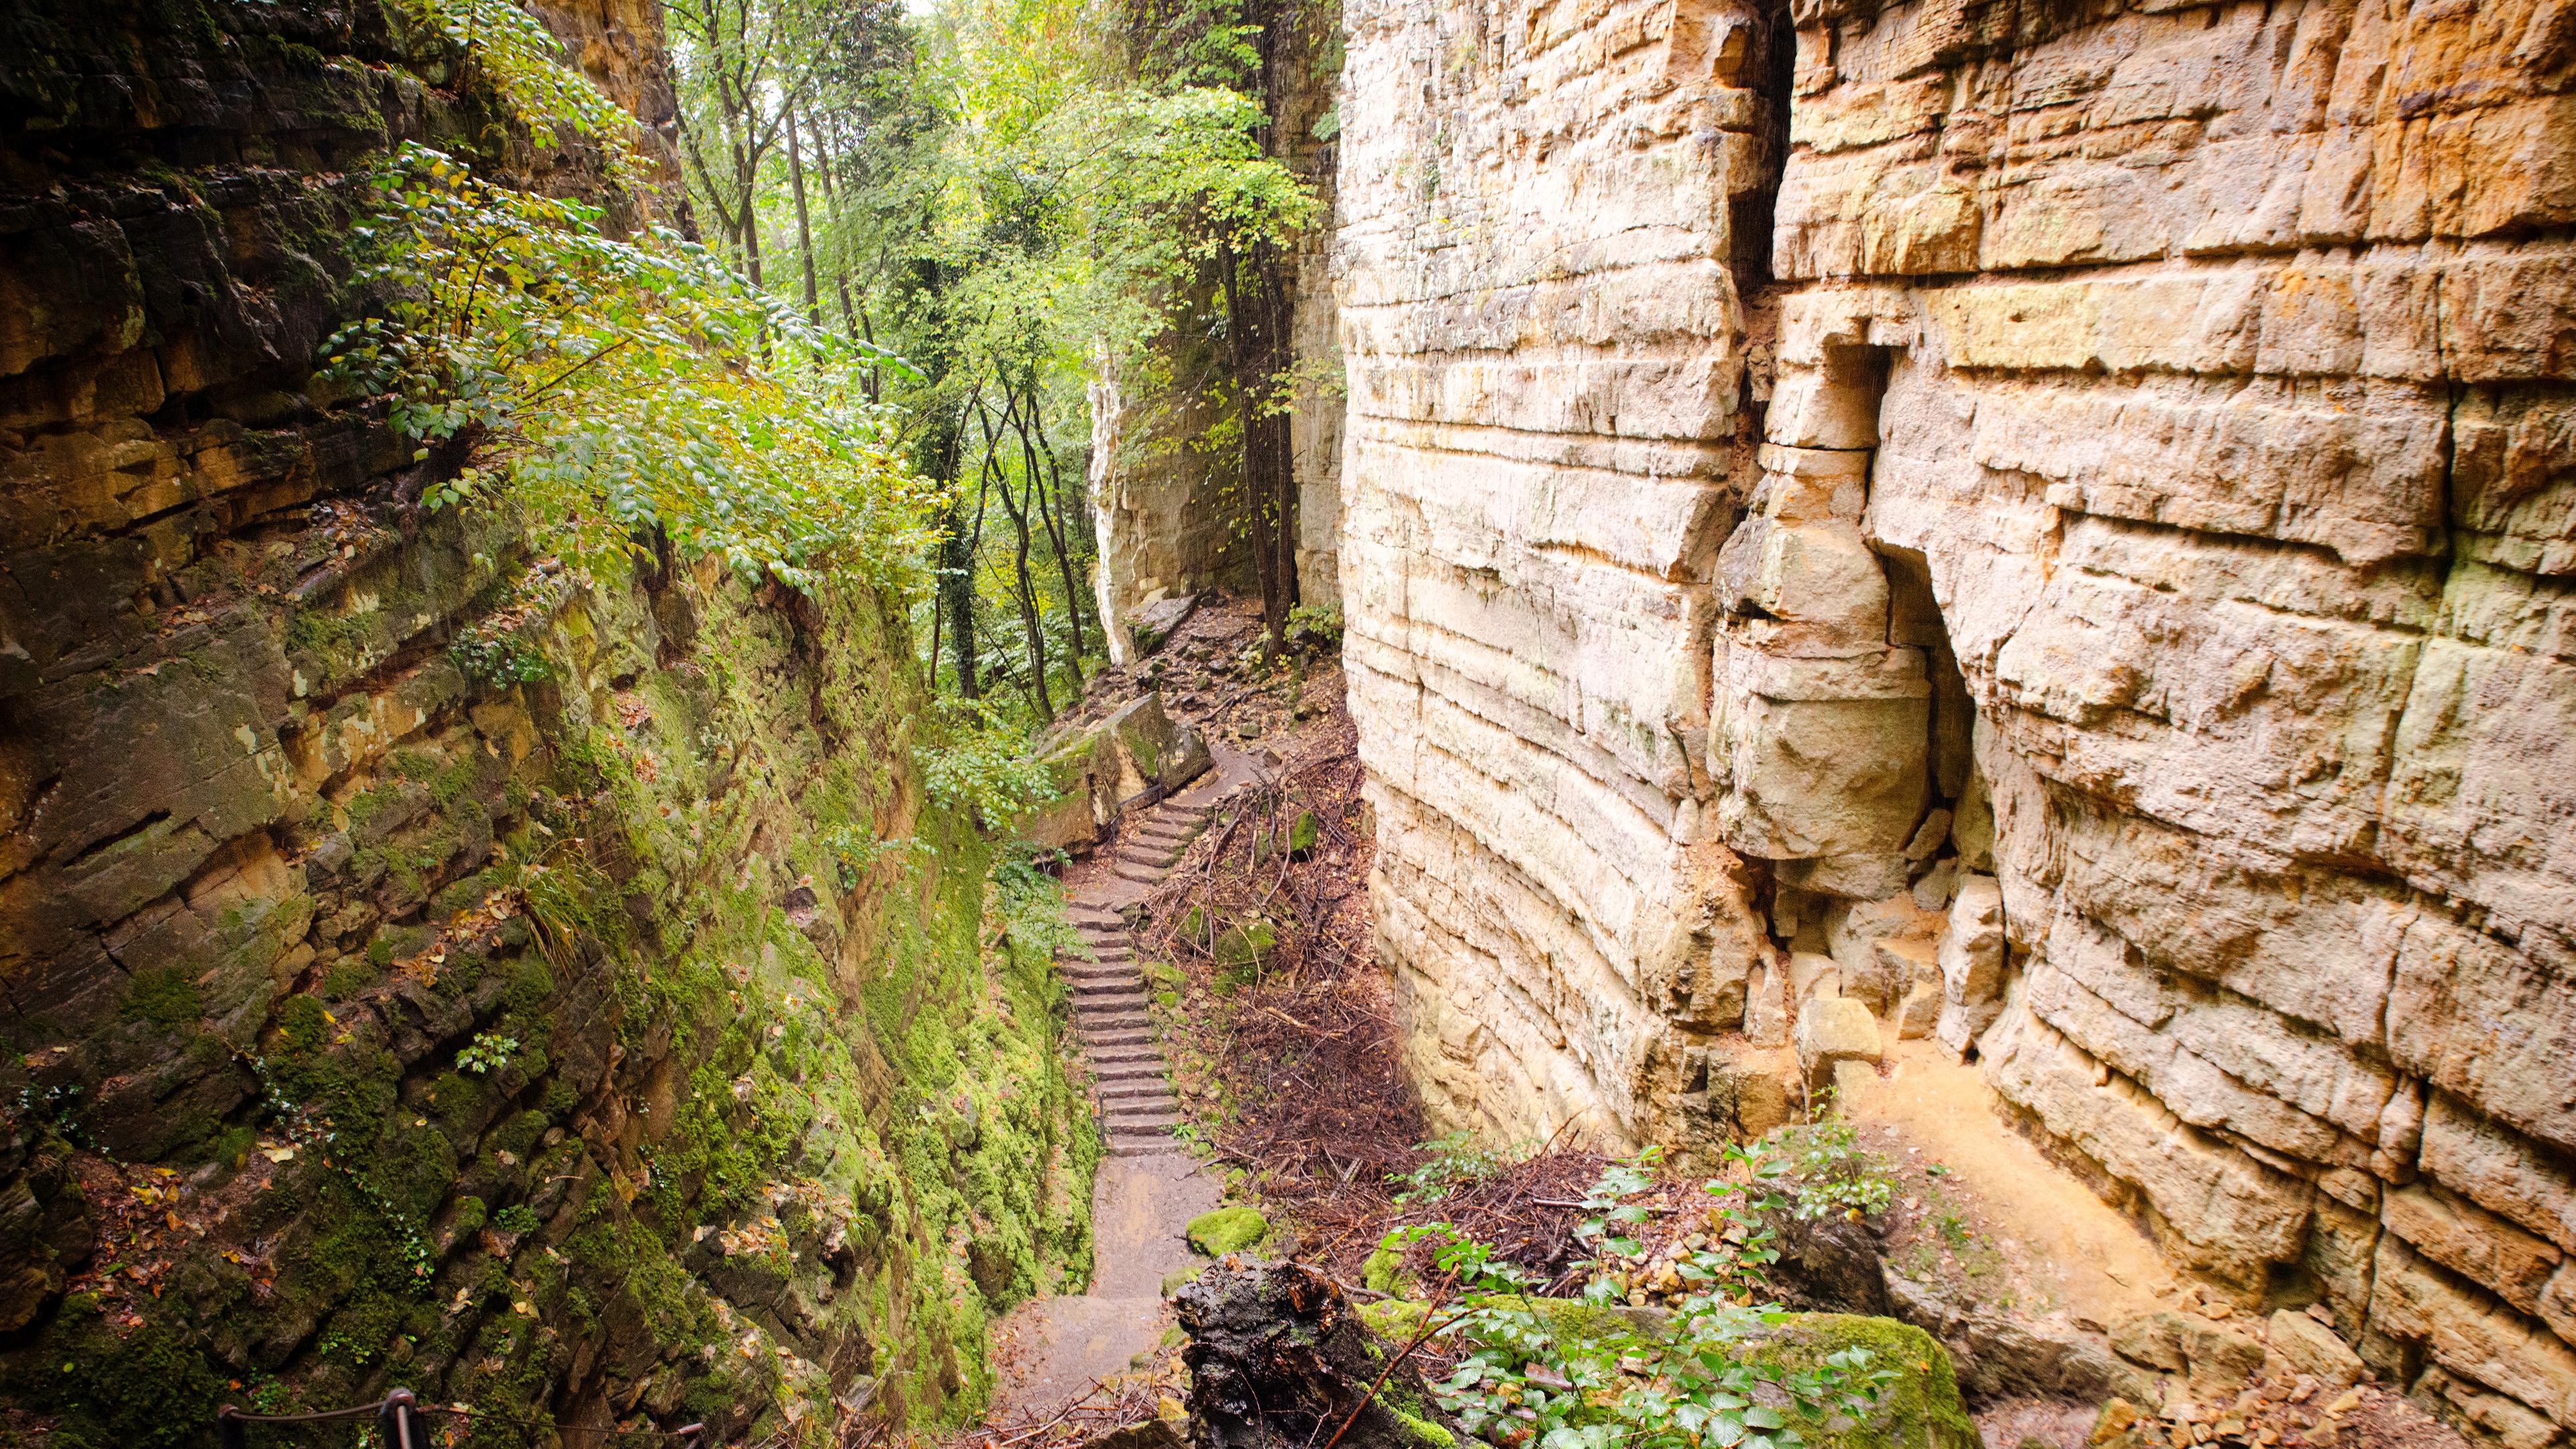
<point x="1105" y="984"/>
<point x="1094" y="1028"/>
<point x="1147" y="1119"/>
<point x="1164" y="1148"/>
<point x="1141" y="875"/>
<point x="1095" y="1041"/>
<point x="1146" y="855"/>
<point x="1141" y="1072"/>
<point x="1140" y="1097"/>
<point x="1122" y="1058"/>
<point x="1092" y="1010"/>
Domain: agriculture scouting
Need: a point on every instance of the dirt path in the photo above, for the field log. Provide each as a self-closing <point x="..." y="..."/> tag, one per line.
<point x="1053" y="1350"/>
<point x="2062" y="1250"/>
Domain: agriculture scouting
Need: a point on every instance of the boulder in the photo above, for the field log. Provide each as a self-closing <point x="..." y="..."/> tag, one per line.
<point x="1149" y="625"/>
<point x="1227" y="1230"/>
<point x="2305" y="1346"/>
<point x="1972" y="962"/>
<point x="1101" y="769"/>
<point x="1919" y="1408"/>
<point x="1766" y="1006"/>
<point x="1832" y="1030"/>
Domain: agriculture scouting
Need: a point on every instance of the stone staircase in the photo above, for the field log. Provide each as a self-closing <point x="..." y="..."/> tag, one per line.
<point x="1132" y="1079"/>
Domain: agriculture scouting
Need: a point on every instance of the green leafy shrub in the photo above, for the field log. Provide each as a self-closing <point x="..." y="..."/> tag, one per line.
<point x="621" y="389"/>
<point x="1542" y="1373"/>
<point x="1457" y="1160"/>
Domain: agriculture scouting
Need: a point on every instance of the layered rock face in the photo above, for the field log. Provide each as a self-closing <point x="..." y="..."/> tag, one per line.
<point x="1547" y="361"/>
<point x="2098" y="593"/>
<point x="419" y="964"/>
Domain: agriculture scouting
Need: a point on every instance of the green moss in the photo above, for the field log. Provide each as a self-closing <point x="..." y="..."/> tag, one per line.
<point x="1419" y="1430"/>
<point x="1384" y="1270"/>
<point x="166" y="996"/>
<point x="141" y="1388"/>
<point x="303" y="1024"/>
<point x="1227" y="1230"/>
<point x="1920" y="1409"/>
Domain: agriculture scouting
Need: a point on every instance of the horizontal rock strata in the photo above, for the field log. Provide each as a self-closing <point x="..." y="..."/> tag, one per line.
<point x="2091" y="580"/>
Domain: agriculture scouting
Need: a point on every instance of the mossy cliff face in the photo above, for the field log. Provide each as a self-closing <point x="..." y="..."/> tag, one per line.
<point x="418" y="965"/>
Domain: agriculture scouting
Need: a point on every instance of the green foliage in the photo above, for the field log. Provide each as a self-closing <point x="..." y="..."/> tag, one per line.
<point x="1316" y="624"/>
<point x="982" y="764"/>
<point x="1831" y="1172"/>
<point x="488" y="1053"/>
<point x="1458" y="1159"/>
<point x="499" y="663"/>
<point x="510" y="50"/>
<point x="620" y="389"/>
<point x="1552" y="1375"/>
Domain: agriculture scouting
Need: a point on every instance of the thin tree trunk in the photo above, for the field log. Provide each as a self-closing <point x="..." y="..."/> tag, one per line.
<point x="804" y="222"/>
<point x="746" y="181"/>
<point x="1252" y="337"/>
<point x="1018" y="419"/>
<point x="1027" y="595"/>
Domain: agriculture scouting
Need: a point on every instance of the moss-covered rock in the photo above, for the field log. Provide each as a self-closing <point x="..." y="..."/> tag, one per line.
<point x="1919" y="1409"/>
<point x="1227" y="1230"/>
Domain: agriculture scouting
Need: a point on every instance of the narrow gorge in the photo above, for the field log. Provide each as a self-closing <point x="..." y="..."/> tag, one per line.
<point x="1998" y="579"/>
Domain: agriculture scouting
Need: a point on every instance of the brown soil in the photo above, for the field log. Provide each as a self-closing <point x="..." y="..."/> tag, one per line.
<point x="1984" y="1214"/>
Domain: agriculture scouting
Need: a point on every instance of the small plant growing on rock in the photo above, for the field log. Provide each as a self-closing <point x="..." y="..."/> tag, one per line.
<point x="1831" y="1172"/>
<point x="488" y="1053"/>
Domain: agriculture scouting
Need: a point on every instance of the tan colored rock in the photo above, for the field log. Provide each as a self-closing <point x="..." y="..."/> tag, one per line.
<point x="1833" y="1030"/>
<point x="2306" y="1346"/>
<point x="2150" y="551"/>
<point x="2475" y="1244"/>
<point x="2215" y="1359"/>
<point x="2472" y="1335"/>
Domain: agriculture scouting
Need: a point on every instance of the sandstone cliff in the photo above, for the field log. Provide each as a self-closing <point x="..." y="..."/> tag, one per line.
<point x="2052" y="521"/>
<point x="423" y="965"/>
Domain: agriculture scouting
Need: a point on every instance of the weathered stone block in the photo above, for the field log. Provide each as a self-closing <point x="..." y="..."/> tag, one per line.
<point x="1833" y="1030"/>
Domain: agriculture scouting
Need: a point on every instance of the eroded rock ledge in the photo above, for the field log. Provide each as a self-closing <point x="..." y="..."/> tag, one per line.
<point x="2053" y="523"/>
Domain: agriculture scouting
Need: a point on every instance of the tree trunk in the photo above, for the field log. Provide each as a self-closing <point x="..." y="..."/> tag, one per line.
<point x="1018" y="416"/>
<point x="804" y="222"/>
<point x="1256" y="341"/>
<point x="1027" y="598"/>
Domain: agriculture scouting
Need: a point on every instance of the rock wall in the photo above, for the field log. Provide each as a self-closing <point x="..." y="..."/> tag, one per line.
<point x="2097" y="591"/>
<point x="420" y="965"/>
<point x="1544" y="330"/>
<point x="1161" y="499"/>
